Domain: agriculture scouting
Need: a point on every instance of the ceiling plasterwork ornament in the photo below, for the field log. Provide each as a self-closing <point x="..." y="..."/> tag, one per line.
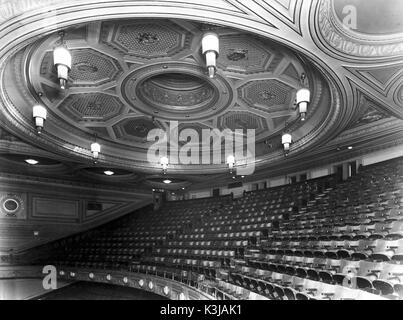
<point x="176" y="91"/>
<point x="351" y="44"/>
<point x="119" y="96"/>
<point x="125" y="49"/>
<point x="368" y="112"/>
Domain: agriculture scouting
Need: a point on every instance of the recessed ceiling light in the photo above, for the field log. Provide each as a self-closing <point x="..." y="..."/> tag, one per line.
<point x="167" y="181"/>
<point x="183" y="188"/>
<point x="243" y="177"/>
<point x="31" y="161"/>
<point x="350" y="148"/>
<point x="109" y="173"/>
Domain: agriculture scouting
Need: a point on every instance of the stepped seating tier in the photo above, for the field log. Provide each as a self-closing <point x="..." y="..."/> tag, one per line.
<point x="319" y="239"/>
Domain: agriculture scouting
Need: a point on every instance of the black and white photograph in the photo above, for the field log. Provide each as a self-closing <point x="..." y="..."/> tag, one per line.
<point x="200" y="154"/>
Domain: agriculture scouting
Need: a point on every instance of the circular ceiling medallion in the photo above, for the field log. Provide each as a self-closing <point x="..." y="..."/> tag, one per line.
<point x="180" y="91"/>
<point x="176" y="91"/>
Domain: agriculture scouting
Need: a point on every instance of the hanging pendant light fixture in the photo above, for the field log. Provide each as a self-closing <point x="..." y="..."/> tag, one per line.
<point x="303" y="98"/>
<point x="231" y="163"/>
<point x="211" y="49"/>
<point x="286" y="140"/>
<point x="164" y="161"/>
<point x="62" y="60"/>
<point x="39" y="114"/>
<point x="95" y="150"/>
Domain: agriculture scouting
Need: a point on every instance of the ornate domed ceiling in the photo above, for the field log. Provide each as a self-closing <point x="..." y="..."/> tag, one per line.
<point x="139" y="72"/>
<point x="129" y="77"/>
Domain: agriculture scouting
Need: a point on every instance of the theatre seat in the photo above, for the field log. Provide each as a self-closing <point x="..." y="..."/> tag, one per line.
<point x="290" y="294"/>
<point x="290" y="242"/>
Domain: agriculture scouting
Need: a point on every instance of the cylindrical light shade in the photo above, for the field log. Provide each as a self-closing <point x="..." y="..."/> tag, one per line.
<point x="303" y="99"/>
<point x="62" y="56"/>
<point x="286" y="140"/>
<point x="39" y="123"/>
<point x="39" y="111"/>
<point x="95" y="149"/>
<point x="164" y="161"/>
<point x="231" y="161"/>
<point x="63" y="61"/>
<point x="303" y="95"/>
<point x="211" y="49"/>
<point x="211" y="42"/>
<point x="40" y="114"/>
<point x="63" y="75"/>
<point x="211" y="59"/>
<point x="211" y="63"/>
<point x="303" y="107"/>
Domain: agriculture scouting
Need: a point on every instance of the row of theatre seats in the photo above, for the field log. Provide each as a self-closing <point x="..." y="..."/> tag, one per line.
<point x="318" y="239"/>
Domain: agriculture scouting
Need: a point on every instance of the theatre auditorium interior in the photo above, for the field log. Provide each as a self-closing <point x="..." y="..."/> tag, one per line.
<point x="201" y="150"/>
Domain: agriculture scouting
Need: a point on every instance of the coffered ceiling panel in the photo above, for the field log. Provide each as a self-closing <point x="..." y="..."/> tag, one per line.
<point x="146" y="40"/>
<point x="91" y="68"/>
<point x="268" y="95"/>
<point x="91" y="107"/>
<point x="134" y="129"/>
<point x="244" y="121"/>
<point x="244" y="54"/>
